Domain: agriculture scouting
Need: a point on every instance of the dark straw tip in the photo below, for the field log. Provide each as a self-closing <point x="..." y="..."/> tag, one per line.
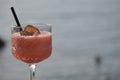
<point x="12" y="8"/>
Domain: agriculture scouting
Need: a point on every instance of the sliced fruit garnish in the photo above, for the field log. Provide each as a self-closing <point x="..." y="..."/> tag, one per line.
<point x="25" y="33"/>
<point x="30" y="30"/>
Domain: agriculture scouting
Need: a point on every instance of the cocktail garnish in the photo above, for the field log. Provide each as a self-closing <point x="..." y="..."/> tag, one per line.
<point x="30" y="30"/>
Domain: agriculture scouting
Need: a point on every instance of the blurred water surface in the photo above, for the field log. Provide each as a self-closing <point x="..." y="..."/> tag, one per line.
<point x="86" y="39"/>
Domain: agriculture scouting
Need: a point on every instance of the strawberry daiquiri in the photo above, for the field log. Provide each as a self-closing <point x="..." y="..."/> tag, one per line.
<point x="31" y="45"/>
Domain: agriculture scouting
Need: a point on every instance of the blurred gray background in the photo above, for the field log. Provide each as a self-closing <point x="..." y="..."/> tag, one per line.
<point x="86" y="39"/>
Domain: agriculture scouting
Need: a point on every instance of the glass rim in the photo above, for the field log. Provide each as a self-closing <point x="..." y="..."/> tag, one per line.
<point x="34" y="24"/>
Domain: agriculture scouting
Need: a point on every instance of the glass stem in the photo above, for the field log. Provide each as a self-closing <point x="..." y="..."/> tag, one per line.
<point x="32" y="68"/>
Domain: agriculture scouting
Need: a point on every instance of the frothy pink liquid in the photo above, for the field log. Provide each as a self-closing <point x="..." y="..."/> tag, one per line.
<point x="32" y="49"/>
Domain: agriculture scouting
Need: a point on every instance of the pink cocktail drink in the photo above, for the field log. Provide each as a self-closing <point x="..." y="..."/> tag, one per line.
<point x="31" y="44"/>
<point x="32" y="49"/>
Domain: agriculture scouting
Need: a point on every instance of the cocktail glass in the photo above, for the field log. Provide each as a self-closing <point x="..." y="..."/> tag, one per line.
<point x="32" y="49"/>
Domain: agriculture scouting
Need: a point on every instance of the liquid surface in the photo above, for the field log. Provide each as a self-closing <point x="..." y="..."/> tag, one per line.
<point x="32" y="49"/>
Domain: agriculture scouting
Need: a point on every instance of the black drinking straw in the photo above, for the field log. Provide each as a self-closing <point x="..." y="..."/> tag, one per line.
<point x="16" y="18"/>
